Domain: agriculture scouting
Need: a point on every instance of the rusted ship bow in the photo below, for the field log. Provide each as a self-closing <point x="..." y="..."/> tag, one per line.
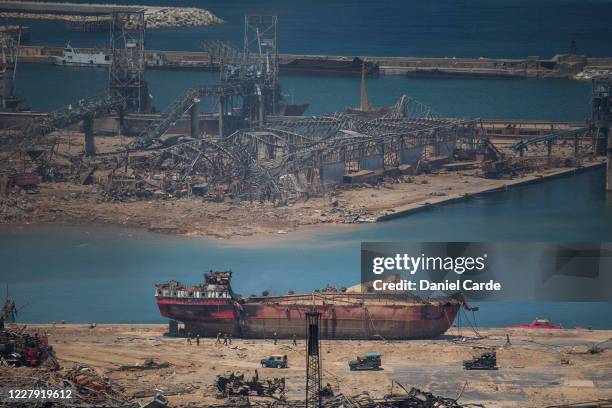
<point x="213" y="307"/>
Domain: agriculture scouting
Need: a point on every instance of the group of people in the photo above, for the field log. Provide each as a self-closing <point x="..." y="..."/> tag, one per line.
<point x="227" y="339"/>
<point x="293" y="339"/>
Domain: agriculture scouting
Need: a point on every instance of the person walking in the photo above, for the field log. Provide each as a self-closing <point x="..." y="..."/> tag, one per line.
<point x="218" y="338"/>
<point x="275" y="337"/>
<point x="294" y="340"/>
<point x="197" y="339"/>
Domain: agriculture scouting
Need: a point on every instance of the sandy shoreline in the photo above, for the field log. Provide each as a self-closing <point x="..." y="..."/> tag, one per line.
<point x="249" y="223"/>
<point x="539" y="368"/>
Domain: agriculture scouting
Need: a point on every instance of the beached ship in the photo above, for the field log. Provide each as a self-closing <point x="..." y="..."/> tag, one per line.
<point x="213" y="307"/>
<point x="74" y="57"/>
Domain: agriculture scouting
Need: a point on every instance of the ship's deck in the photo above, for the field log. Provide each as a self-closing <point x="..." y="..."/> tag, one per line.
<point x="349" y="299"/>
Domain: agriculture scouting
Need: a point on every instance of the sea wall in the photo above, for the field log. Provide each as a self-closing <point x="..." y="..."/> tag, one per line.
<point x="155" y="17"/>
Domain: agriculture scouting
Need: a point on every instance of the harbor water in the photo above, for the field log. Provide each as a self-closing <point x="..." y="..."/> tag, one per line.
<point x="443" y="28"/>
<point x="106" y="274"/>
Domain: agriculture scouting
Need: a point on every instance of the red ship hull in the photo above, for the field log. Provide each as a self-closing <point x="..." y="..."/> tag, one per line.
<point x="357" y="321"/>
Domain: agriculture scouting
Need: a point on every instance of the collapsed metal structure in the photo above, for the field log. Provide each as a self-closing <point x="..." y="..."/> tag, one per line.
<point x="35" y="134"/>
<point x="292" y="156"/>
<point x="257" y="154"/>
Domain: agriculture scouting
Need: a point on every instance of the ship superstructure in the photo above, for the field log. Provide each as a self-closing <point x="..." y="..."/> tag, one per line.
<point x="74" y="57"/>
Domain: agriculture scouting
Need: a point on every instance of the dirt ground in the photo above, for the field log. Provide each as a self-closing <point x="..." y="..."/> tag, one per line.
<point x="70" y="204"/>
<point x="539" y="367"/>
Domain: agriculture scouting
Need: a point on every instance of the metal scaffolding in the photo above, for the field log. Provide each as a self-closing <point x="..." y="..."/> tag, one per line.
<point x="8" y="64"/>
<point x="313" y="360"/>
<point x="127" y="72"/>
<point x="601" y="117"/>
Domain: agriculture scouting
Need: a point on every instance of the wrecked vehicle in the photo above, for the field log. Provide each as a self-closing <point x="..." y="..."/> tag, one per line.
<point x="236" y="384"/>
<point x="370" y="361"/>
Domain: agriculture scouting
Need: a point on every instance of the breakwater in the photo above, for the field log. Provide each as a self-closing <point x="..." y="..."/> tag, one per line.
<point x="94" y="14"/>
<point x="561" y="66"/>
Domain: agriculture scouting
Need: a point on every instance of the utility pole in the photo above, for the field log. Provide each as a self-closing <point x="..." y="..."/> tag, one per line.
<point x="313" y="360"/>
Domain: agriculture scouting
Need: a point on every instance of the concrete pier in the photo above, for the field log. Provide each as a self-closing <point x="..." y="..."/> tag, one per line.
<point x="562" y="67"/>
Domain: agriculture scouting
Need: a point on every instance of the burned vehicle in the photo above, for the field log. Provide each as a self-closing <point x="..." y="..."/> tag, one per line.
<point x="370" y="361"/>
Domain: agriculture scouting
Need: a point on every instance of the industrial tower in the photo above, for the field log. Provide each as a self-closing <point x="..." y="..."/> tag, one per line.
<point x="127" y="73"/>
<point x="8" y="63"/>
<point x="601" y="117"/>
<point x="261" y="50"/>
<point x="313" y="360"/>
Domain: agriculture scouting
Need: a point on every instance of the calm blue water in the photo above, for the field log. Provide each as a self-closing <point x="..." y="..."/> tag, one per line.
<point x="97" y="274"/>
<point x="107" y="274"/>
<point x="48" y="87"/>
<point x="459" y="28"/>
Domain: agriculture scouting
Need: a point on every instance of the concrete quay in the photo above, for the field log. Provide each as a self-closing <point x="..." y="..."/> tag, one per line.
<point x="569" y="67"/>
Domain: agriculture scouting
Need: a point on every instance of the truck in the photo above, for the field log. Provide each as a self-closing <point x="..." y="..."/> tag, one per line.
<point x="369" y="361"/>
<point x="274" y="361"/>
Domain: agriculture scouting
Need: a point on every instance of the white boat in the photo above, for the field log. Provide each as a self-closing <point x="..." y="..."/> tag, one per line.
<point x="74" y="57"/>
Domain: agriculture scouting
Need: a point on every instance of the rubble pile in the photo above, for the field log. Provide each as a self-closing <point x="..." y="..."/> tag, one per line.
<point x="414" y="398"/>
<point x="155" y="17"/>
<point x="486" y="361"/>
<point x="19" y="348"/>
<point x="236" y="384"/>
<point x="148" y="364"/>
<point x="88" y="386"/>
<point x="91" y="386"/>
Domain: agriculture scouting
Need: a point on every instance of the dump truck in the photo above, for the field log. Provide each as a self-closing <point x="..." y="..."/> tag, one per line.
<point x="370" y="361"/>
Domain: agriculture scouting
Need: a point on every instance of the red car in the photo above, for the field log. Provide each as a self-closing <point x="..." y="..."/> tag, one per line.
<point x="539" y="324"/>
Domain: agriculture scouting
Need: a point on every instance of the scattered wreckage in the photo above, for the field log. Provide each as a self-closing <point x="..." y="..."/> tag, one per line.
<point x="414" y="398"/>
<point x="370" y="361"/>
<point x="87" y="385"/>
<point x="19" y="348"/>
<point x="486" y="361"/>
<point x="236" y="384"/>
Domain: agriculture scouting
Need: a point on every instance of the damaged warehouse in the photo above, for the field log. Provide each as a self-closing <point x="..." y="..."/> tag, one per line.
<point x="296" y="157"/>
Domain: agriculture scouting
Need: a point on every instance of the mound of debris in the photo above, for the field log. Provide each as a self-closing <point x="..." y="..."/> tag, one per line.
<point x="89" y="387"/>
<point x="19" y="348"/>
<point x="414" y="398"/>
<point x="236" y="384"/>
<point x="148" y="364"/>
<point x="486" y="361"/>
